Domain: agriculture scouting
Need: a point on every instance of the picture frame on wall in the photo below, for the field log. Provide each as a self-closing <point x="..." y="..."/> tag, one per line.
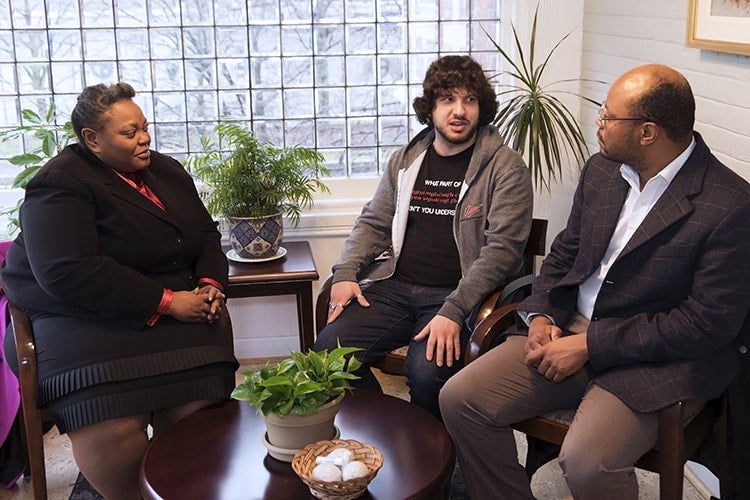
<point x="719" y="25"/>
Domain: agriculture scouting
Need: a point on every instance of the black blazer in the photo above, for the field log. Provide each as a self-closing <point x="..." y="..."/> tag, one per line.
<point x="91" y="246"/>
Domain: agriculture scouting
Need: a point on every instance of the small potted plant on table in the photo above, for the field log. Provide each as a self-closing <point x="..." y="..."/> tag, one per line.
<point x="299" y="397"/>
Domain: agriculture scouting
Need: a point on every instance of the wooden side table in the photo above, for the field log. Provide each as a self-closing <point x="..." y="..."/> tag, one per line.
<point x="292" y="274"/>
<point x="218" y="453"/>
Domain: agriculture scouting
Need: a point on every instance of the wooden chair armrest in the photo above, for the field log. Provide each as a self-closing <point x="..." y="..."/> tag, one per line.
<point x="506" y="293"/>
<point x="502" y="295"/>
<point x="25" y="348"/>
<point x="32" y="428"/>
<point x="487" y="331"/>
<point x="321" y="304"/>
<point x="488" y="304"/>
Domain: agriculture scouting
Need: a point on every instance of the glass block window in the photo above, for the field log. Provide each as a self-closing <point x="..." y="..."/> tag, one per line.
<point x="335" y="75"/>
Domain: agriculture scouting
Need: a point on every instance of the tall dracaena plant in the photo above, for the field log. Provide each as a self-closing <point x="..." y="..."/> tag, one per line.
<point x="535" y="121"/>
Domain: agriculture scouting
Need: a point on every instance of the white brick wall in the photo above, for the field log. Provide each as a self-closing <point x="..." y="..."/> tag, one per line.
<point x="619" y="35"/>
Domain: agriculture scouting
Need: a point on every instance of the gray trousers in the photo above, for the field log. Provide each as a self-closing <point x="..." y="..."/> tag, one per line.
<point x="606" y="437"/>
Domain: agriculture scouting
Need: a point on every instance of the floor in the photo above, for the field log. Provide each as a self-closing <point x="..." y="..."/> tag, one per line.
<point x="547" y="484"/>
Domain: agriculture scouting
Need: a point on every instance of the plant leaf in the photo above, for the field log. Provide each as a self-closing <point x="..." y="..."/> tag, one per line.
<point x="31" y="116"/>
<point x="301" y="383"/>
<point x="22" y="179"/>
<point x="533" y="121"/>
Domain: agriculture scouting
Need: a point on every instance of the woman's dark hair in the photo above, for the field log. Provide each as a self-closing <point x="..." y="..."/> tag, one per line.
<point x="671" y="105"/>
<point x="452" y="72"/>
<point x="94" y="102"/>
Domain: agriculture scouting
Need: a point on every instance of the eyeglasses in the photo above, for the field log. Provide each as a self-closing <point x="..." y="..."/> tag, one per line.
<point x="602" y="119"/>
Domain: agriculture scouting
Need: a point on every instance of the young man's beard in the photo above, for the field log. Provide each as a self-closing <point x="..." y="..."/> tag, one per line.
<point x="467" y="136"/>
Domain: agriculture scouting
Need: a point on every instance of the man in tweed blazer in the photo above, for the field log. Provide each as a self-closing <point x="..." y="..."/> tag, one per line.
<point x="636" y="305"/>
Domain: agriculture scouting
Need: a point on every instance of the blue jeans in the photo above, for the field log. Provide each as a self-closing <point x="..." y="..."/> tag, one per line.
<point x="398" y="311"/>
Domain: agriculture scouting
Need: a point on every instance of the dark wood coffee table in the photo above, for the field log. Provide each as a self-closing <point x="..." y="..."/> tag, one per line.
<point x="217" y="453"/>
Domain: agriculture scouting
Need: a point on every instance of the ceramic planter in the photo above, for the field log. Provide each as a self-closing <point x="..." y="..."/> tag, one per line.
<point x="256" y="237"/>
<point x="285" y="435"/>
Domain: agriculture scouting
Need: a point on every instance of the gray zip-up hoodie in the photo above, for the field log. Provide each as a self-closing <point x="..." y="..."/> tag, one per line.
<point x="491" y="224"/>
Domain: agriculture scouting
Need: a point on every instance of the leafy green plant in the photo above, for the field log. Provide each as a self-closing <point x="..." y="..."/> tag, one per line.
<point x="300" y="384"/>
<point x="50" y="138"/>
<point x="249" y="179"/>
<point x="533" y="119"/>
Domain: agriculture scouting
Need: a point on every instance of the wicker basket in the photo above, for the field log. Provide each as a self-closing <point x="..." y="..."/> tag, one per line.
<point x="304" y="462"/>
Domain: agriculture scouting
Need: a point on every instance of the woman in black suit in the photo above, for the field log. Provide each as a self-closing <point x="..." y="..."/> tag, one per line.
<point x="120" y="268"/>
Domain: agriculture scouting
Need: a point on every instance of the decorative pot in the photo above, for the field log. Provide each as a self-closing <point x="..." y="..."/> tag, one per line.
<point x="256" y="237"/>
<point x="286" y="435"/>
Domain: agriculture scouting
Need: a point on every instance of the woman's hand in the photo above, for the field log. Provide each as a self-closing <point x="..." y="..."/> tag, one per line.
<point x="200" y="305"/>
<point x="215" y="298"/>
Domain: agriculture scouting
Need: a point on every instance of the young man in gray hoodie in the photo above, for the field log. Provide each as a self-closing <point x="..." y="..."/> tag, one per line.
<point x="452" y="212"/>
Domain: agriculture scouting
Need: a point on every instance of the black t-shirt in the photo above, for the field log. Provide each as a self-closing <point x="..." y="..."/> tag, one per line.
<point x="429" y="256"/>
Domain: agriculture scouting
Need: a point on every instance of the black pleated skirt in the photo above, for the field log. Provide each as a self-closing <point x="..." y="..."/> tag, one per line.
<point x="91" y="371"/>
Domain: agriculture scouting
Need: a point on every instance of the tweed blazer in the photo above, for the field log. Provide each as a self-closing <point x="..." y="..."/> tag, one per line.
<point x="674" y="299"/>
<point x="98" y="249"/>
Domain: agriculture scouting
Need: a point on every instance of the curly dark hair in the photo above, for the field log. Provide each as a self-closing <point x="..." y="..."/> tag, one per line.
<point x="452" y="72"/>
<point x="94" y="102"/>
<point x="669" y="104"/>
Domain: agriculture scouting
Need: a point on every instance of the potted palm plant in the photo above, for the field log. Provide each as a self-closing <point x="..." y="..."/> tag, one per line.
<point x="299" y="397"/>
<point x="253" y="185"/>
<point x="532" y="119"/>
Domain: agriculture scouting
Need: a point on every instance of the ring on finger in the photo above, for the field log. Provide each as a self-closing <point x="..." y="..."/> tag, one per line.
<point x="358" y="296"/>
<point x="340" y="305"/>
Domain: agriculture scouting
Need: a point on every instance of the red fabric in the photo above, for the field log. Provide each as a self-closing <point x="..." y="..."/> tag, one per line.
<point x="166" y="301"/>
<point x="209" y="281"/>
<point x="135" y="181"/>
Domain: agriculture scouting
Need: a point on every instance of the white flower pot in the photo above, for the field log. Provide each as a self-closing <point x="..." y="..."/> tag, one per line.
<point x="290" y="433"/>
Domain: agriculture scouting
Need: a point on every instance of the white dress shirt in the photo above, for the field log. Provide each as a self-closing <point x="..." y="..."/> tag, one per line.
<point x="637" y="205"/>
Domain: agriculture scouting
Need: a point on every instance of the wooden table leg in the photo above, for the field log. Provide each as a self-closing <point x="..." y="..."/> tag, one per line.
<point x="305" y="316"/>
